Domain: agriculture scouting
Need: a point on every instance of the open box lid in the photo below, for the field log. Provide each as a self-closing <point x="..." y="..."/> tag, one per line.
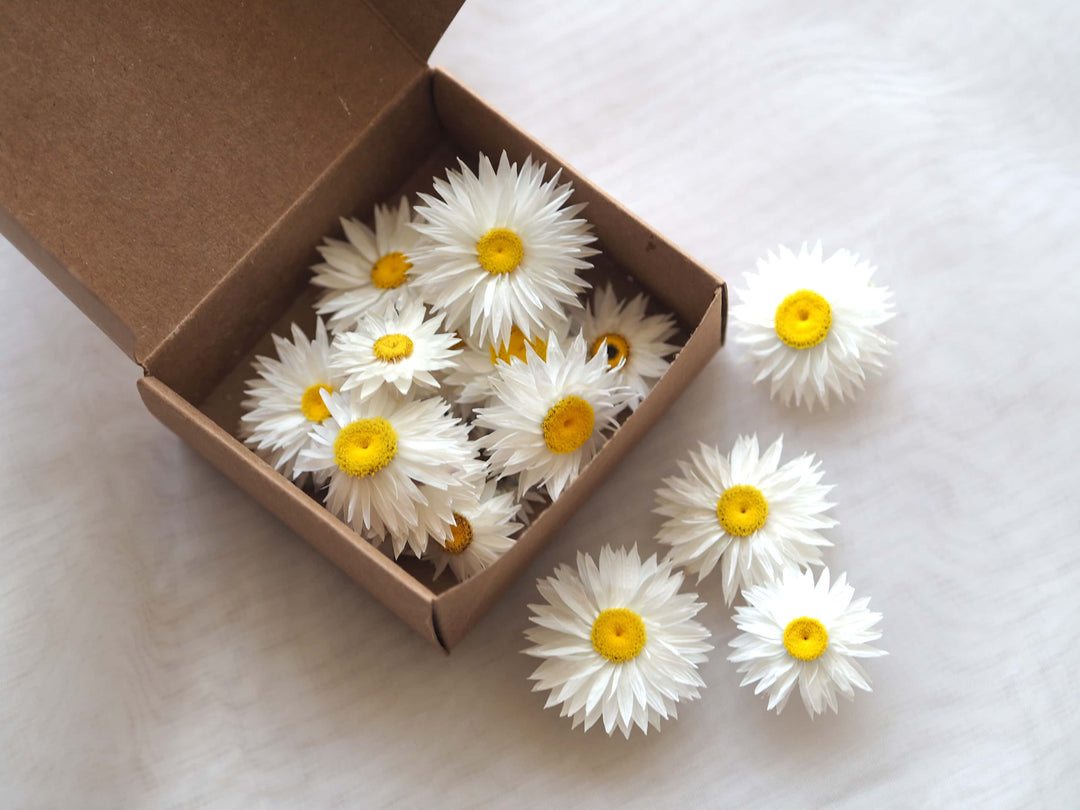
<point x="147" y="145"/>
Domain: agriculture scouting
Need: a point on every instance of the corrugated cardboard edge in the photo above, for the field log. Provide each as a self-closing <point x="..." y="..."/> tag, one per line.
<point x="65" y="281"/>
<point x="365" y="565"/>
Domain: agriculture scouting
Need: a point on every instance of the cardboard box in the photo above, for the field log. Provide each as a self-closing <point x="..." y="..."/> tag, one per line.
<point x="171" y="167"/>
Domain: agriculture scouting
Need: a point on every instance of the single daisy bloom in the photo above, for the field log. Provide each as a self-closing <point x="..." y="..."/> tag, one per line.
<point x="371" y="271"/>
<point x="745" y="510"/>
<point x="502" y="249"/>
<point x="635" y="343"/>
<point x="285" y="401"/>
<point x="811" y="325"/>
<point x="480" y="533"/>
<point x="619" y="641"/>
<point x="471" y="376"/>
<point x="797" y="632"/>
<point x="396" y="350"/>
<point x="549" y="417"/>
<point x="395" y="466"/>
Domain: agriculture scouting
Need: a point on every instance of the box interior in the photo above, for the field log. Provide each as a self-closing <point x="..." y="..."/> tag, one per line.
<point x="208" y="359"/>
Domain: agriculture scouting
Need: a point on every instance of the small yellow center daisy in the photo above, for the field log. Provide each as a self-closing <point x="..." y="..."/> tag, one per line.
<point x="742" y="510"/>
<point x="391" y="348"/>
<point x="805" y="638"/>
<point x="500" y="251"/>
<point x="390" y="271"/>
<point x="803" y="319"/>
<point x="618" y="348"/>
<point x="365" y="446"/>
<point x="568" y="425"/>
<point x="311" y="402"/>
<point x="515" y="347"/>
<point x="461" y="535"/>
<point x="618" y="634"/>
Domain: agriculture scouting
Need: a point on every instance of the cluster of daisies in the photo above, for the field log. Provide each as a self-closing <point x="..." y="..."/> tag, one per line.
<point x="460" y="375"/>
<point x="620" y="643"/>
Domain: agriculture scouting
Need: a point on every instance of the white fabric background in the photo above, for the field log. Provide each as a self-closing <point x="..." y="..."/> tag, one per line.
<point x="166" y="643"/>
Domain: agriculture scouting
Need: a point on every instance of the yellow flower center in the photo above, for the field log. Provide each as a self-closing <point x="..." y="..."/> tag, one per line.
<point x="392" y="270"/>
<point x="500" y="251"/>
<point x="365" y="446"/>
<point x="803" y="319"/>
<point x="311" y="402"/>
<point x="618" y="349"/>
<point x="391" y="348"/>
<point x="805" y="638"/>
<point x="618" y="634"/>
<point x="742" y="510"/>
<point x="461" y="535"/>
<point x="516" y="348"/>
<point x="568" y="425"/>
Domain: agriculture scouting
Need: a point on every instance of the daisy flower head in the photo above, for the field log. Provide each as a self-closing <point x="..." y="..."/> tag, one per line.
<point x="811" y="325"/>
<point x="502" y="249"/>
<point x="394" y="466"/>
<point x="745" y="511"/>
<point x="284" y="401"/>
<point x="635" y="343"/>
<point x="481" y="532"/>
<point x="548" y="417"/>
<point x="370" y="271"/>
<point x="618" y="641"/>
<point x="796" y="631"/>
<point x="401" y="351"/>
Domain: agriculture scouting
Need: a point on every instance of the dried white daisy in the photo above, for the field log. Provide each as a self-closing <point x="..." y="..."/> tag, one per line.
<point x="284" y="401"/>
<point x="481" y="532"/>
<point x="369" y="272"/>
<point x="797" y="632"/>
<point x="400" y="350"/>
<point x="549" y="416"/>
<point x="394" y="466"/>
<point x="635" y="343"/>
<point x="502" y="249"/>
<point x="812" y="325"/>
<point x="746" y="510"/>
<point x="619" y="641"/>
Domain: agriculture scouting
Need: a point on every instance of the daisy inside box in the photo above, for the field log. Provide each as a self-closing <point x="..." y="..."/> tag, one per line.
<point x="618" y="266"/>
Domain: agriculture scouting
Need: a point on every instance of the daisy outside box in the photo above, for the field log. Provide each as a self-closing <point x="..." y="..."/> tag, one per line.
<point x="172" y="167"/>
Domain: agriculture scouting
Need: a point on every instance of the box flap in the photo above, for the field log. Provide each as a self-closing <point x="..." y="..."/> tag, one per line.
<point x="146" y="145"/>
<point x="420" y="23"/>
